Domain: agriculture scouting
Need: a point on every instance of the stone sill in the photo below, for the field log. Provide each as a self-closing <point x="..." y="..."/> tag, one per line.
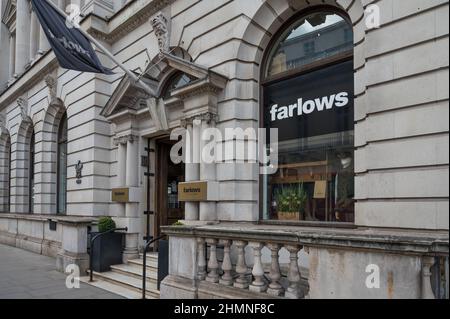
<point x="63" y="219"/>
<point x="402" y="241"/>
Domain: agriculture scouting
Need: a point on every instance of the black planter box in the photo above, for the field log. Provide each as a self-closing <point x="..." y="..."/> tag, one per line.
<point x="107" y="251"/>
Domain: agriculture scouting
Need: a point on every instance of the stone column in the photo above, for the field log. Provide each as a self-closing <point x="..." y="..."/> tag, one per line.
<point x="207" y="173"/>
<point x="121" y="167"/>
<point x="192" y="170"/>
<point x="12" y="55"/>
<point x="34" y="36"/>
<point x="44" y="46"/>
<point x="62" y="4"/>
<point x="22" y="35"/>
<point x="131" y="209"/>
<point x="122" y="163"/>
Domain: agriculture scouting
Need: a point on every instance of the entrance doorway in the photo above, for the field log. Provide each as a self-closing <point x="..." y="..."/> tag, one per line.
<point x="168" y="175"/>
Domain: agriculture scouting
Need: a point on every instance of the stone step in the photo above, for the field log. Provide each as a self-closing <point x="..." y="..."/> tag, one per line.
<point x="115" y="288"/>
<point x="151" y="256"/>
<point x="151" y="263"/>
<point x="135" y="270"/>
<point x="128" y="282"/>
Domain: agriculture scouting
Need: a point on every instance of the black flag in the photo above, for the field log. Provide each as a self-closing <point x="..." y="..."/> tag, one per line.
<point x="72" y="49"/>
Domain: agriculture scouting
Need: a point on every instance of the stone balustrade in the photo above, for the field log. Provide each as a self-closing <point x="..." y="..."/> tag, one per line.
<point x="249" y="260"/>
<point x="249" y="275"/>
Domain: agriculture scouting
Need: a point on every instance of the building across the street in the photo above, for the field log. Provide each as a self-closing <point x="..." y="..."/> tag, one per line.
<point x="326" y="126"/>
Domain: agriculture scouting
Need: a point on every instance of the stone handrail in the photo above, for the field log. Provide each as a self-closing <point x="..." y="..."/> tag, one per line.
<point x="433" y="243"/>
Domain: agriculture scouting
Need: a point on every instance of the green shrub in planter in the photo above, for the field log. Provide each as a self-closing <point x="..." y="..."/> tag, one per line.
<point x="107" y="249"/>
<point x="105" y="224"/>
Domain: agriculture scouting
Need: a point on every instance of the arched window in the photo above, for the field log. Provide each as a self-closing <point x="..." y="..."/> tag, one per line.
<point x="308" y="86"/>
<point x="5" y="172"/>
<point x="62" y="166"/>
<point x="176" y="81"/>
<point x="9" y="155"/>
<point x="31" y="173"/>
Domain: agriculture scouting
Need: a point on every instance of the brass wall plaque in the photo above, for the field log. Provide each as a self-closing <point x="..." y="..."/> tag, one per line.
<point x="193" y="191"/>
<point x="120" y="195"/>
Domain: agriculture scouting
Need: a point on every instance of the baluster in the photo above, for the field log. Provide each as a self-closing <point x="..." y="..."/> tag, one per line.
<point x="241" y="267"/>
<point x="258" y="285"/>
<point x="294" y="291"/>
<point x="275" y="288"/>
<point x="201" y="272"/>
<point x="427" y="290"/>
<point x="227" y="267"/>
<point x="213" y="265"/>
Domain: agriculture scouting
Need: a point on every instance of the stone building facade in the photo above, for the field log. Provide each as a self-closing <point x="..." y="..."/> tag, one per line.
<point x="69" y="139"/>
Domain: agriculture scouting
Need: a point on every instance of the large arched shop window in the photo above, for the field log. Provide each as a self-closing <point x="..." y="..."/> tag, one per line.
<point x="62" y="166"/>
<point x="308" y="96"/>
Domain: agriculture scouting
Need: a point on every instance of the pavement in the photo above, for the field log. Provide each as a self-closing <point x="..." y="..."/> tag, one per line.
<point x="26" y="275"/>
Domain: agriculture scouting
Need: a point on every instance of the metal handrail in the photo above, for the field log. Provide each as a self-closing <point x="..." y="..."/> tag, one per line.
<point x="91" y="250"/>
<point x="144" y="263"/>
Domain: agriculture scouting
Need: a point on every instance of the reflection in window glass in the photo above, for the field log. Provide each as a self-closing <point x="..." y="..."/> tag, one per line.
<point x="62" y="166"/>
<point x="177" y="81"/>
<point x="31" y="187"/>
<point x="314" y="37"/>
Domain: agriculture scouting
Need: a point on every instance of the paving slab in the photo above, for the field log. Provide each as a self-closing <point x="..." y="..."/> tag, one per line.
<point x="26" y="275"/>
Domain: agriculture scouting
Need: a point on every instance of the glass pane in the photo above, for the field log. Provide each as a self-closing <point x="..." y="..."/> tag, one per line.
<point x="313" y="113"/>
<point x="62" y="134"/>
<point x="179" y="80"/>
<point x="62" y="177"/>
<point x="31" y="185"/>
<point x="314" y="37"/>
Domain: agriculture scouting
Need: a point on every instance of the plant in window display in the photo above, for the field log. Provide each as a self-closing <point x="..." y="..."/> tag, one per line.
<point x="290" y="202"/>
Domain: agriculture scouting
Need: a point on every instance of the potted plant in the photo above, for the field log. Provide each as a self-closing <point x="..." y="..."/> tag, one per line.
<point x="290" y="201"/>
<point x="107" y="248"/>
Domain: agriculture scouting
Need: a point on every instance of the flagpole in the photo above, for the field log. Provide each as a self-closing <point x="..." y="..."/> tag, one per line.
<point x="133" y="76"/>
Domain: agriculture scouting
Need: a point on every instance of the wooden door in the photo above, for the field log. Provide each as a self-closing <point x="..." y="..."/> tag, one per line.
<point x="168" y="175"/>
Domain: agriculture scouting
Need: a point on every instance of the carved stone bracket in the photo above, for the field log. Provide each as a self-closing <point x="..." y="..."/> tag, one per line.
<point x="161" y="26"/>
<point x="22" y="102"/>
<point x="140" y="17"/>
<point x="2" y="123"/>
<point x="125" y="139"/>
<point x="52" y="84"/>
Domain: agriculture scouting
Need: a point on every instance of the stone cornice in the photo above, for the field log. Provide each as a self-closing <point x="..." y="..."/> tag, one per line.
<point x="196" y="88"/>
<point x="208" y="117"/>
<point x="46" y="64"/>
<point x="125" y="139"/>
<point x="44" y="218"/>
<point x="137" y="18"/>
